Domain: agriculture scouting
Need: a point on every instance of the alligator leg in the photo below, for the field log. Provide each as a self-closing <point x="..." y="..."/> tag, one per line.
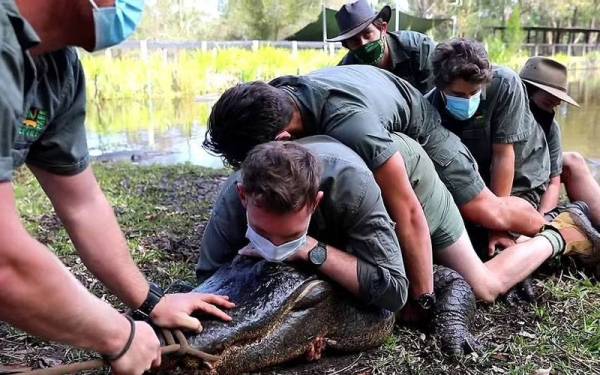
<point x="453" y="312"/>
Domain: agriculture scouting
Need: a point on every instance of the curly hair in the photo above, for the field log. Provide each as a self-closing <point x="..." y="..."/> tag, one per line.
<point x="460" y="58"/>
<point x="246" y="115"/>
<point x="281" y="177"/>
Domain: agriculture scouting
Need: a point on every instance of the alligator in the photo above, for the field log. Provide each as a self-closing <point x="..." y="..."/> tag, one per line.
<point x="286" y="313"/>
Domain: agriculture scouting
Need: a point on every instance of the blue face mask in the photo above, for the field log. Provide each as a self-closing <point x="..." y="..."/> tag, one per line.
<point x="461" y="108"/>
<point x="273" y="253"/>
<point x="115" y="24"/>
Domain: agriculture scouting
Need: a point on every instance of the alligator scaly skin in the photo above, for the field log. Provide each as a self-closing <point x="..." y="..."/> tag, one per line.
<point x="453" y="312"/>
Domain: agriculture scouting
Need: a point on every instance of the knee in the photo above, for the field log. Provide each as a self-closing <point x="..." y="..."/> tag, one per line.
<point x="573" y="161"/>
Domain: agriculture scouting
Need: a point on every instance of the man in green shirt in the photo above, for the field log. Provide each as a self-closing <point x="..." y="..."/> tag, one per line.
<point x="315" y="195"/>
<point x="42" y="113"/>
<point x="347" y="104"/>
<point x="406" y="54"/>
<point x="546" y="83"/>
<point x="487" y="108"/>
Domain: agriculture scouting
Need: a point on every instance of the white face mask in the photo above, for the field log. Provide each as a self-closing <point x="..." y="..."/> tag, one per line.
<point x="273" y="253"/>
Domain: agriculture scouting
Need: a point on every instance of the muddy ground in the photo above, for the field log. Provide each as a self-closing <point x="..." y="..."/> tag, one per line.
<point x="163" y="211"/>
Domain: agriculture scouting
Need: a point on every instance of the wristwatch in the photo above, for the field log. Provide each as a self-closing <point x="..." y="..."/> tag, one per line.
<point x="426" y="301"/>
<point x="318" y="254"/>
<point x="155" y="293"/>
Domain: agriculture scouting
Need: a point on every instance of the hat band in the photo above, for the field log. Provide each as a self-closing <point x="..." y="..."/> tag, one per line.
<point x="564" y="89"/>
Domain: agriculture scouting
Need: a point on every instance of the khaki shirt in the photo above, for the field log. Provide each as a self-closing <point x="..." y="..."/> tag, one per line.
<point x="410" y="52"/>
<point x="361" y="106"/>
<point x="503" y="116"/>
<point x="351" y="217"/>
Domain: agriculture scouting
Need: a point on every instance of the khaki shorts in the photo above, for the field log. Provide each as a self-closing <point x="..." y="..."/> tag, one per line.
<point x="443" y="217"/>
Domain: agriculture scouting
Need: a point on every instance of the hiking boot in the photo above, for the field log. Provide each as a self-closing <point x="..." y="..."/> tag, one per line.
<point x="582" y="240"/>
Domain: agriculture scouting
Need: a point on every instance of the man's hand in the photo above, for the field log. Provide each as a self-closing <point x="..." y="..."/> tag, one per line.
<point x="174" y="310"/>
<point x="500" y="240"/>
<point x="143" y="353"/>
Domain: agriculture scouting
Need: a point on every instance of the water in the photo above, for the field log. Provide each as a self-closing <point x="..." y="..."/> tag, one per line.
<point x="168" y="132"/>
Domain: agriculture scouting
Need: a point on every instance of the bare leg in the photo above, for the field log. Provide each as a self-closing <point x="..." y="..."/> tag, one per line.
<point x="580" y="184"/>
<point x="498" y="275"/>
<point x="502" y="213"/>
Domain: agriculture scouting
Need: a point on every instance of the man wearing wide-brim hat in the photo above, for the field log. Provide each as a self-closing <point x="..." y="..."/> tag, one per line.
<point x="364" y="33"/>
<point x="546" y="82"/>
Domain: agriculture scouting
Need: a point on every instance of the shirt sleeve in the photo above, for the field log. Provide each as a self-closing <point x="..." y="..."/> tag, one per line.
<point x="508" y="120"/>
<point x="225" y="231"/>
<point x="371" y="238"/>
<point x="555" y="149"/>
<point x="62" y="148"/>
<point x="362" y="131"/>
<point x="12" y="77"/>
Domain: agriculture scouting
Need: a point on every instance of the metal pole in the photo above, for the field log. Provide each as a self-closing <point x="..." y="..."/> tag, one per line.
<point x="397" y="15"/>
<point x="324" y="21"/>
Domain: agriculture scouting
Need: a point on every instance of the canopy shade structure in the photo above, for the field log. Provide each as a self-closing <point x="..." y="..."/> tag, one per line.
<point x="314" y="30"/>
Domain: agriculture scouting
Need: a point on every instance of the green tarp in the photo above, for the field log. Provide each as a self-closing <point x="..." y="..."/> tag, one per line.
<point x="314" y="31"/>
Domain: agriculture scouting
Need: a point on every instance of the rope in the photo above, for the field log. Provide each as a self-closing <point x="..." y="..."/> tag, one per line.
<point x="175" y="343"/>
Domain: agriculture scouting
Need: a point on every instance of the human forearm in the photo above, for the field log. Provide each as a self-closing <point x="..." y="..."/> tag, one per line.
<point x="502" y="169"/>
<point x="103" y="249"/>
<point x="415" y="242"/>
<point x="40" y="296"/>
<point x="411" y="224"/>
<point x="93" y="228"/>
<point x="502" y="213"/>
<point x="551" y="195"/>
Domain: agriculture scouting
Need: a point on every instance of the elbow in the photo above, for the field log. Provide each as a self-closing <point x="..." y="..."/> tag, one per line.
<point x="395" y="296"/>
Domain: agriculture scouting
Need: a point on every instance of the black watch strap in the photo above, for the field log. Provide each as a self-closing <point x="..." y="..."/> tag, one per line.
<point x="426" y="301"/>
<point x="155" y="293"/>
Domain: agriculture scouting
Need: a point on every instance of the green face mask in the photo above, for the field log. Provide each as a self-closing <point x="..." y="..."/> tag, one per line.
<point x="371" y="53"/>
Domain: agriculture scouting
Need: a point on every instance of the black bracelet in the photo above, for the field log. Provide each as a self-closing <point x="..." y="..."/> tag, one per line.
<point x="112" y="358"/>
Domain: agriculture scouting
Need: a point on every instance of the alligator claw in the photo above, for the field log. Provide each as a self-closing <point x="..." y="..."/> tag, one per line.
<point x="522" y="292"/>
<point x="453" y="313"/>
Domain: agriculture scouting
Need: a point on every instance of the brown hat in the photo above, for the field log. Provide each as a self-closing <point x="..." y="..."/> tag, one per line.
<point x="548" y="75"/>
<point x="354" y="17"/>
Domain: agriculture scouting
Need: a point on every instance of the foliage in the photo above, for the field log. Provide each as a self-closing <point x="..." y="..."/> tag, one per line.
<point x="192" y="73"/>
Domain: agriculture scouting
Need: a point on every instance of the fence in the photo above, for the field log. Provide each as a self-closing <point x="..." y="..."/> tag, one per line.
<point x="538" y="49"/>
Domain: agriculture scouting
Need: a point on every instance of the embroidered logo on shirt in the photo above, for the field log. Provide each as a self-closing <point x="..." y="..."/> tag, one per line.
<point x="34" y="124"/>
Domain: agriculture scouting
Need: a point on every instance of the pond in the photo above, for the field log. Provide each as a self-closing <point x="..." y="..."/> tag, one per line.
<point x="168" y="132"/>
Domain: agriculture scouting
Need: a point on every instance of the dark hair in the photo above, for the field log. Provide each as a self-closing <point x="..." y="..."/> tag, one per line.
<point x="281" y="177"/>
<point x="460" y="58"/>
<point x="246" y="115"/>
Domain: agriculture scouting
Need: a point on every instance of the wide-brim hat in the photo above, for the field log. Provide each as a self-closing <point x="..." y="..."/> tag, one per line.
<point x="548" y="75"/>
<point x="352" y="18"/>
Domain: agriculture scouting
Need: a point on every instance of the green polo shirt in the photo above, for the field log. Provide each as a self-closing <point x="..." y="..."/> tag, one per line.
<point x="410" y="53"/>
<point x="361" y="106"/>
<point x="47" y="131"/>
<point x="351" y="217"/>
<point x="503" y="116"/>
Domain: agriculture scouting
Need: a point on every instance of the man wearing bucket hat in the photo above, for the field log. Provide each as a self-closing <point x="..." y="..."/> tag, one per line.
<point x="546" y="83"/>
<point x="404" y="53"/>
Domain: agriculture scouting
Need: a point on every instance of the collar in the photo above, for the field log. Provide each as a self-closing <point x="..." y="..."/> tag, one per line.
<point x="397" y="51"/>
<point x="307" y="95"/>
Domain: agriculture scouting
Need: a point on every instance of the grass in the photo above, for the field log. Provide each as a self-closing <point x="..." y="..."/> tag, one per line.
<point x="163" y="210"/>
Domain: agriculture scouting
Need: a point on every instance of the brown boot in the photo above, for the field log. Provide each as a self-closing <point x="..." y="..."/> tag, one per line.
<point x="582" y="240"/>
